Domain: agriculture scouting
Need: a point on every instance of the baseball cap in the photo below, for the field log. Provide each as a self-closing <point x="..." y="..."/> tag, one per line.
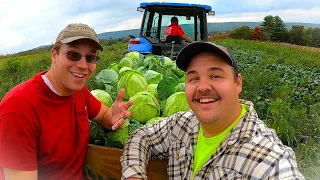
<point x="76" y="31"/>
<point x="188" y="52"/>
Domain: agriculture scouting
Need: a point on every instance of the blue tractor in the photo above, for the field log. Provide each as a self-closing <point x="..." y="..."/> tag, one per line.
<point x="192" y="18"/>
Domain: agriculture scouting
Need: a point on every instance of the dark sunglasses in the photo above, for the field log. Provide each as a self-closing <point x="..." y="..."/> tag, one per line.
<point x="75" y="56"/>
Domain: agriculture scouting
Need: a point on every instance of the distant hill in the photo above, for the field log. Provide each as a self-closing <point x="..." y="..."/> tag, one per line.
<point x="118" y="34"/>
<point x="212" y="27"/>
<point x="35" y="50"/>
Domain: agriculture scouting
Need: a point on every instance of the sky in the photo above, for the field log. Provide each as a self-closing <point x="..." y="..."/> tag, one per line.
<point x="33" y="23"/>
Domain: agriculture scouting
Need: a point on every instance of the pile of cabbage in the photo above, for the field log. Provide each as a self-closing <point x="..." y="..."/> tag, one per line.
<point x="154" y="83"/>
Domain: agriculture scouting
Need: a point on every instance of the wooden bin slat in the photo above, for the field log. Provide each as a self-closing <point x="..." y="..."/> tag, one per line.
<point x="105" y="162"/>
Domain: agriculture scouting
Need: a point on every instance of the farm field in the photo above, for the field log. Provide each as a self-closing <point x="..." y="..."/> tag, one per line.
<point x="281" y="80"/>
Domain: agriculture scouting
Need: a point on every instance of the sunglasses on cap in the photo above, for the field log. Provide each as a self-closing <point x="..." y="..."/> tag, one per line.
<point x="75" y="56"/>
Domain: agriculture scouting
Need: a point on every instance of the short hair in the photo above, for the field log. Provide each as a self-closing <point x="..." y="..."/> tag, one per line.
<point x="174" y="19"/>
<point x="235" y="74"/>
<point x="57" y="46"/>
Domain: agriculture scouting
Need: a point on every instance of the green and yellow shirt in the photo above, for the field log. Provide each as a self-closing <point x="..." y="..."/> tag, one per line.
<point x="208" y="146"/>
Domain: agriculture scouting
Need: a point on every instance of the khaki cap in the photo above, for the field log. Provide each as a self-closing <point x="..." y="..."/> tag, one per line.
<point x="78" y="31"/>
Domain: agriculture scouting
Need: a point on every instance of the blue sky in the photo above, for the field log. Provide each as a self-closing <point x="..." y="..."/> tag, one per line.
<point x="29" y="24"/>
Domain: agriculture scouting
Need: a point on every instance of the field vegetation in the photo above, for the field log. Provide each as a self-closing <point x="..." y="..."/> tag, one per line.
<point x="283" y="83"/>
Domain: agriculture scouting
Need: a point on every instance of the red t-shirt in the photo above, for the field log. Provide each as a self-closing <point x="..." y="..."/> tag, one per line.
<point x="174" y="30"/>
<point x="41" y="130"/>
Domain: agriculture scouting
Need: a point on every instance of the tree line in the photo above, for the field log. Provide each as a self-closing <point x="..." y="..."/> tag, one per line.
<point x="273" y="29"/>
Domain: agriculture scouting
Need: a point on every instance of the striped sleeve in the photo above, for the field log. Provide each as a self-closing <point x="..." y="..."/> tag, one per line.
<point x="286" y="169"/>
<point x="150" y="141"/>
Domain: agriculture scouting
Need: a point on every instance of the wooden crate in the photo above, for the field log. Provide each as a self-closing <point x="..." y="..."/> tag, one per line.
<point x="104" y="163"/>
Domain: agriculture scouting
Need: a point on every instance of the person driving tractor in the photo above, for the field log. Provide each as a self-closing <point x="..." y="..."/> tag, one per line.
<point x="175" y="30"/>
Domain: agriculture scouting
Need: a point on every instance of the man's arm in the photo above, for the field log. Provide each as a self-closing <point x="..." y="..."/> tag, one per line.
<point x="183" y="35"/>
<point x="286" y="168"/>
<point x="12" y="174"/>
<point x="148" y="141"/>
<point x="186" y="38"/>
<point x="104" y="117"/>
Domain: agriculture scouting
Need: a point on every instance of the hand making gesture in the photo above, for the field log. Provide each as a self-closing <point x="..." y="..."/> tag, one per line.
<point x="120" y="110"/>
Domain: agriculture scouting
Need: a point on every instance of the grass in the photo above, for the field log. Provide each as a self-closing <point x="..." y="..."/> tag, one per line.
<point x="280" y="53"/>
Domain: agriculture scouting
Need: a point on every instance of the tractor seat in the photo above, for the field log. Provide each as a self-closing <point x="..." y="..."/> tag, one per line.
<point x="176" y="39"/>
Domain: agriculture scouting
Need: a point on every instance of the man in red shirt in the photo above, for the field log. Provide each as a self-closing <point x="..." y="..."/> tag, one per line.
<point x="44" y="128"/>
<point x="175" y="30"/>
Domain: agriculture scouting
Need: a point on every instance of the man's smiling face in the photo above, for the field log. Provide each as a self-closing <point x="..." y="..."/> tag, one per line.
<point x="212" y="91"/>
<point x="70" y="76"/>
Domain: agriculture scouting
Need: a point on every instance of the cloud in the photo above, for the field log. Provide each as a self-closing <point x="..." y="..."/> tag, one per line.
<point x="28" y="25"/>
<point x="36" y="22"/>
<point x="24" y="25"/>
<point x="128" y="24"/>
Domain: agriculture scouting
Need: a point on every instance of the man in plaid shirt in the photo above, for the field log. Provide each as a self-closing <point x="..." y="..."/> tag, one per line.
<point x="221" y="137"/>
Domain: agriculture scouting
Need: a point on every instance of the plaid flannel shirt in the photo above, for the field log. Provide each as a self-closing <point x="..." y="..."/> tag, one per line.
<point x="250" y="151"/>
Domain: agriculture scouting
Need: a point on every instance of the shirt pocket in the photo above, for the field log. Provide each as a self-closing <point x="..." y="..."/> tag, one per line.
<point x="83" y="121"/>
<point x="179" y="162"/>
<point x="83" y="127"/>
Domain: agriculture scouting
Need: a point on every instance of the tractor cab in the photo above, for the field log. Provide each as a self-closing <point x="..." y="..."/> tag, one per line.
<point x="157" y="16"/>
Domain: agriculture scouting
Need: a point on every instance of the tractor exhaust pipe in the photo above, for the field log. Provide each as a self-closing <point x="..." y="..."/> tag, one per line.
<point x="172" y="49"/>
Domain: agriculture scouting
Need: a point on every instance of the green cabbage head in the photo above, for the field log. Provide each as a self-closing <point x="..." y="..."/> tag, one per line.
<point x="168" y="63"/>
<point x="125" y="62"/>
<point x="153" y="77"/>
<point x="145" y="106"/>
<point x="152" y="88"/>
<point x="119" y="137"/>
<point x="175" y="103"/>
<point x="107" y="76"/>
<point x="114" y="66"/>
<point x="124" y="69"/>
<point x="181" y="87"/>
<point x="102" y="96"/>
<point x="133" y="82"/>
<point x="134" y="56"/>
